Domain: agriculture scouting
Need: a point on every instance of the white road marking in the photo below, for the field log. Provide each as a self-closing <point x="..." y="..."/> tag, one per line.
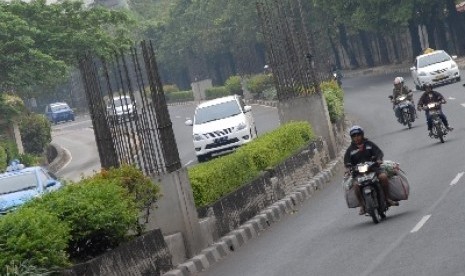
<point x="456" y="179"/>
<point x="188" y="163"/>
<point x="67" y="163"/>
<point x="420" y="224"/>
<point x="451" y="98"/>
<point x="463" y="104"/>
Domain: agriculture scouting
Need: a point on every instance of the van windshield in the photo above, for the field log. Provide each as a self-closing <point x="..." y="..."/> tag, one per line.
<point x="216" y="112"/>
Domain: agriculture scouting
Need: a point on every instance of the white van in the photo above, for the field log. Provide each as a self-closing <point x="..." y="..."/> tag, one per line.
<point x="221" y="124"/>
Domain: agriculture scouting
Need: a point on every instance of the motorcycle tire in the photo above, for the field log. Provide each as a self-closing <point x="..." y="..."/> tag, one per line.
<point x="440" y="133"/>
<point x="371" y="209"/>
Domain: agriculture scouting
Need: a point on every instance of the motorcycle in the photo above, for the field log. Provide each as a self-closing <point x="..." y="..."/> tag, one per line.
<point x="438" y="130"/>
<point x="406" y="107"/>
<point x="371" y="190"/>
<point x="337" y="76"/>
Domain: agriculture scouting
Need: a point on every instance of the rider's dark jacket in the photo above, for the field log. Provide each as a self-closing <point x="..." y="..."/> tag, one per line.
<point x="397" y="91"/>
<point x="368" y="151"/>
<point x="425" y="99"/>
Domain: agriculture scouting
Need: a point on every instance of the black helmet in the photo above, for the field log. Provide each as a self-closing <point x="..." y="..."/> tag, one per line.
<point x="356" y="130"/>
<point x="427" y="85"/>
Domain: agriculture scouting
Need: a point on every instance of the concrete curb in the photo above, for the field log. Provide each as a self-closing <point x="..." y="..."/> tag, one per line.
<point x="253" y="227"/>
<point x="63" y="157"/>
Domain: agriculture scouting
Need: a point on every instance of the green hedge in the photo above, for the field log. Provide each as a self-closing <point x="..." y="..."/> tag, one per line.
<point x="220" y="176"/>
<point x="334" y="96"/>
<point x="181" y="96"/>
<point x="34" y="236"/>
<point x="78" y="222"/>
<point x="216" y="92"/>
<point x="141" y="188"/>
<point x="98" y="212"/>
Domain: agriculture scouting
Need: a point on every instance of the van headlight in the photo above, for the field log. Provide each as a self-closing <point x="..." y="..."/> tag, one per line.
<point x="198" y="137"/>
<point x="241" y="126"/>
<point x="422" y="74"/>
<point x="453" y="65"/>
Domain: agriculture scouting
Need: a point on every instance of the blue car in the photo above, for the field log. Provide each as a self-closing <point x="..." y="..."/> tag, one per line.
<point x="19" y="185"/>
<point x="59" y="112"/>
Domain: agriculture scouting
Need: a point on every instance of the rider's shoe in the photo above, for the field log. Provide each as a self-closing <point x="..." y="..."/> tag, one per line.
<point x="430" y="133"/>
<point x="362" y="211"/>
<point x="449" y="128"/>
<point x="391" y="202"/>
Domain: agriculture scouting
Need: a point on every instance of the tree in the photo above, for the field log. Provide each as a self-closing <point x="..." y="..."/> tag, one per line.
<point x="40" y="42"/>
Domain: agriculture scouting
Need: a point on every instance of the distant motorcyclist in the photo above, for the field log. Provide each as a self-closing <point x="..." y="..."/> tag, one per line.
<point x="362" y="150"/>
<point x="432" y="96"/>
<point x="401" y="89"/>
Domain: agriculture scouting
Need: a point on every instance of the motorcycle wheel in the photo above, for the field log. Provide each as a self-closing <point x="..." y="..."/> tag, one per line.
<point x="371" y="209"/>
<point x="409" y="124"/>
<point x="440" y="134"/>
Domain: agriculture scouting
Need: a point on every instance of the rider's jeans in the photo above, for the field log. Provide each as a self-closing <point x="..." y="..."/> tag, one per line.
<point x="429" y="121"/>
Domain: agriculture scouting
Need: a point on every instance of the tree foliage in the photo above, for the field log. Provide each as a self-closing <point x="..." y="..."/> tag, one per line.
<point x="39" y="42"/>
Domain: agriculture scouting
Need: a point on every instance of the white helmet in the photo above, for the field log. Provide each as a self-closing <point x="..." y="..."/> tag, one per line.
<point x="398" y="80"/>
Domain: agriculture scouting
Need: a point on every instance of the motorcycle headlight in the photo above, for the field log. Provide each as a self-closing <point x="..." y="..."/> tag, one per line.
<point x="241" y="126"/>
<point x="198" y="137"/>
<point x="431" y="105"/>
<point x="363" y="168"/>
<point x="401" y="98"/>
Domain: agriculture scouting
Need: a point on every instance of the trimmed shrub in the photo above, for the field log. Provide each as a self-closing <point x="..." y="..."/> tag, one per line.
<point x="216" y="92"/>
<point x="99" y="212"/>
<point x="220" y="176"/>
<point x="181" y="96"/>
<point x="30" y="159"/>
<point x="35" y="132"/>
<point x="170" y="88"/>
<point x="142" y="191"/>
<point x="33" y="236"/>
<point x="259" y="83"/>
<point x="334" y="96"/>
<point x="233" y="85"/>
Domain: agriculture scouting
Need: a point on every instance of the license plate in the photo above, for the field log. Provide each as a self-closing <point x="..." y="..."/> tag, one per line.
<point x="221" y="140"/>
<point x="440" y="77"/>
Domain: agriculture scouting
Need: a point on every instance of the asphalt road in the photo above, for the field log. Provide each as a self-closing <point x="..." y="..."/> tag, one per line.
<point x="78" y="138"/>
<point x="423" y="236"/>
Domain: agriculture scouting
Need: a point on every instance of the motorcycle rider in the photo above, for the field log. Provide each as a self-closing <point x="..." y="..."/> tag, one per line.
<point x="401" y="89"/>
<point x="431" y="96"/>
<point x="362" y="150"/>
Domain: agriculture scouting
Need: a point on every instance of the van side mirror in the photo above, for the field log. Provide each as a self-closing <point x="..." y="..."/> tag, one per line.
<point x="413" y="68"/>
<point x="247" y="108"/>
<point x="189" y="123"/>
